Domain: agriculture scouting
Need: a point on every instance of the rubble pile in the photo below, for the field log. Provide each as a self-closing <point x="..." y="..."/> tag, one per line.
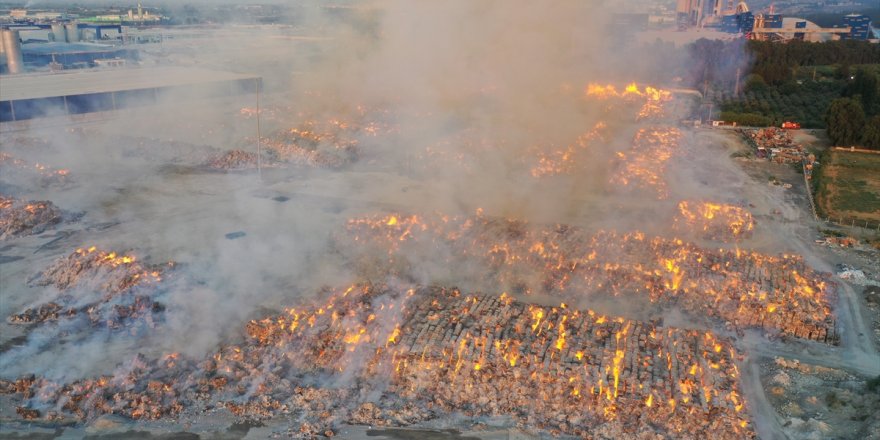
<point x="643" y="166"/>
<point x="26" y="217"/>
<point x="110" y="289"/>
<point x="21" y="171"/>
<point x="775" y="144"/>
<point x="714" y="221"/>
<point x="739" y="289"/>
<point x="401" y="355"/>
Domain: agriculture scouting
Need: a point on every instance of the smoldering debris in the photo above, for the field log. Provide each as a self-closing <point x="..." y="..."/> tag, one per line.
<point x="740" y="289"/>
<point x="106" y="288"/>
<point x="32" y="174"/>
<point x="112" y="273"/>
<point x="26" y="217"/>
<point x="398" y="355"/>
<point x="714" y="221"/>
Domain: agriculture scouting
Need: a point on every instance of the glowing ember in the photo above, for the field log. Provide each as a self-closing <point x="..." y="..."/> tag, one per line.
<point x="114" y="272"/>
<point x="714" y="221"/>
<point x="734" y="286"/>
<point x="114" y="290"/>
<point x="644" y="164"/>
<point x="564" y="161"/>
<point x="20" y="217"/>
<point x="453" y="353"/>
<point x="654" y="99"/>
<point x="16" y="169"/>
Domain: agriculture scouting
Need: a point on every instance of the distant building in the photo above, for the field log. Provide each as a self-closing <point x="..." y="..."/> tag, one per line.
<point x="860" y="27"/>
<point x="741" y="23"/>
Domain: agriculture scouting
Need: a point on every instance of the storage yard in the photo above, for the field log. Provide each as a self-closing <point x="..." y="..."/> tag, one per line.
<point x="347" y="269"/>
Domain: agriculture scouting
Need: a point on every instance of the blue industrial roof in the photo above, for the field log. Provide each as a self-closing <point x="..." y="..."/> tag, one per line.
<point x="50" y="48"/>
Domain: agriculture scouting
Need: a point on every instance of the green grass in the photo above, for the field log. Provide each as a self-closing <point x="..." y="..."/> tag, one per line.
<point x="852" y="186"/>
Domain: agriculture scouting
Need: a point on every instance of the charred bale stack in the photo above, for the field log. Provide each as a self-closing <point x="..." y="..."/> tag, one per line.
<point x="110" y="289"/>
<point x="421" y="353"/>
<point x="569" y="371"/>
<point x="715" y="221"/>
<point x="643" y="166"/>
<point x="22" y="217"/>
<point x="739" y="289"/>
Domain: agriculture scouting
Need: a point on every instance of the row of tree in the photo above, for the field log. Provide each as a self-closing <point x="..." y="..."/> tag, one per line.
<point x="776" y="62"/>
<point x="849" y="126"/>
<point x="717" y="62"/>
<point x="854" y="119"/>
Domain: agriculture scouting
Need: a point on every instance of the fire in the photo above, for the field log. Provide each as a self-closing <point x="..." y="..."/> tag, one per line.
<point x="715" y="221"/>
<point x="560" y="341"/>
<point x="644" y="164"/>
<point x="45" y="174"/>
<point x="654" y="99"/>
<point x="553" y="161"/>
<point x="726" y="284"/>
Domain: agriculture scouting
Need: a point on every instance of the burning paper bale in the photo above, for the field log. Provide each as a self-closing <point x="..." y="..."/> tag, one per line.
<point x="569" y="371"/>
<point x="117" y="272"/>
<point x="556" y="162"/>
<point x="713" y="221"/>
<point x="111" y="286"/>
<point x="644" y="164"/>
<point x="654" y="99"/>
<point x="432" y="351"/>
<point x="741" y="289"/>
<point x="32" y="173"/>
<point x="20" y="217"/>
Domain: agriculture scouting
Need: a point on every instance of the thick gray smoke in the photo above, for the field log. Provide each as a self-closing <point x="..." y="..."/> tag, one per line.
<point x="467" y="96"/>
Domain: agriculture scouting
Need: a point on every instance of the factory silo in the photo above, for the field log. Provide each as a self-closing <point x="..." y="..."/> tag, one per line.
<point x="11" y="43"/>
<point x="59" y="34"/>
<point x="73" y="35"/>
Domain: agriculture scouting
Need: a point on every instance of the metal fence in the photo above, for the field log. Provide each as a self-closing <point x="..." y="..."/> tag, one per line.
<point x="850" y="222"/>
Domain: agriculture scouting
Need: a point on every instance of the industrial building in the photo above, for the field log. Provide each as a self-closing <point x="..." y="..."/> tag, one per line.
<point x="25" y="97"/>
<point x="860" y="27"/>
<point x="66" y="46"/>
<point x="738" y="19"/>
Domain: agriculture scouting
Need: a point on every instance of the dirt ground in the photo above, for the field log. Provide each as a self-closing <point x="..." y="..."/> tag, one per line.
<point x="815" y="402"/>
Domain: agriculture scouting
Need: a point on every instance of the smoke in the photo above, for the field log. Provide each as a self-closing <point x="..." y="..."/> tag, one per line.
<point x="467" y="95"/>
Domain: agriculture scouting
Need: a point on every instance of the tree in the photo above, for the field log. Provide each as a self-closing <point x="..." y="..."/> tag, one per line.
<point x="755" y="83"/>
<point x="865" y="86"/>
<point x="871" y="136"/>
<point x="845" y="119"/>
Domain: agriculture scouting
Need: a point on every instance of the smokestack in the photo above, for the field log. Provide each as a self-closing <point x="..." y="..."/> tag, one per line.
<point x="12" y="47"/>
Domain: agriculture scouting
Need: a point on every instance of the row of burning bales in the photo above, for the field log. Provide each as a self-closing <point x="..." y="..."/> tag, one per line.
<point x="399" y="354"/>
<point x="429" y="351"/>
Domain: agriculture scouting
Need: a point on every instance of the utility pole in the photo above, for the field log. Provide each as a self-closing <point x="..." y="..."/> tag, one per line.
<point x="258" y="84"/>
<point x="736" y="87"/>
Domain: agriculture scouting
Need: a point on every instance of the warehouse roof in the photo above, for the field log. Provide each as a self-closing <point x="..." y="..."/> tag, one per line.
<point x="80" y="82"/>
<point x="50" y="48"/>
